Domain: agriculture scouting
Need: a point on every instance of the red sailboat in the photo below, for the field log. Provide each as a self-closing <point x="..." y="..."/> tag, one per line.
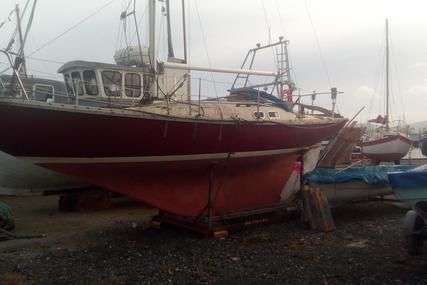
<point x="184" y="157"/>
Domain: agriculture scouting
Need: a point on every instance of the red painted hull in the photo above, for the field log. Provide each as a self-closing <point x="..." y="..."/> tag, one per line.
<point x="161" y="161"/>
<point x="182" y="187"/>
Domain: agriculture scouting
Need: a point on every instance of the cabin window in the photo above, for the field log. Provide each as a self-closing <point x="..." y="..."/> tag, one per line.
<point x="68" y="84"/>
<point x="132" y="85"/>
<point x="42" y="92"/>
<point x="259" y="115"/>
<point x="78" y="84"/>
<point x="91" y="85"/>
<point x="273" y="115"/>
<point x="112" y="81"/>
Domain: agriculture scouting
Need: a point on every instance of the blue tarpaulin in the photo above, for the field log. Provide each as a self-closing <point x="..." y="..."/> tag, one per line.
<point x="413" y="178"/>
<point x="375" y="174"/>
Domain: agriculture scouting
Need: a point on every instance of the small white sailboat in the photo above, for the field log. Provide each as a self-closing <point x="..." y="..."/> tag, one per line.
<point x="390" y="146"/>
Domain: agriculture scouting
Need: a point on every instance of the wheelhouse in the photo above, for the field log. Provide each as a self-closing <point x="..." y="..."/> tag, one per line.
<point x="93" y="80"/>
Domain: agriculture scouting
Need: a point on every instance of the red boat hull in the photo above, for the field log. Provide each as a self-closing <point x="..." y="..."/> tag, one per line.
<point x="162" y="161"/>
<point x="182" y="187"/>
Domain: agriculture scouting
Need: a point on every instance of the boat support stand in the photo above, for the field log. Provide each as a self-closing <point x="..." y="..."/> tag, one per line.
<point x="209" y="225"/>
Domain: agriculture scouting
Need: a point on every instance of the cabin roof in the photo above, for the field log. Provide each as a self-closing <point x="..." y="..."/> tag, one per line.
<point x="81" y="64"/>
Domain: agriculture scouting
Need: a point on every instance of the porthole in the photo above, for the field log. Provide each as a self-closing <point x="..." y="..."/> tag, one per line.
<point x="259" y="115"/>
<point x="273" y="115"/>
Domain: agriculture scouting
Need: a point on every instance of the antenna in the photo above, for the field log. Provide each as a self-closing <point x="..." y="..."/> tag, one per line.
<point x="387" y="127"/>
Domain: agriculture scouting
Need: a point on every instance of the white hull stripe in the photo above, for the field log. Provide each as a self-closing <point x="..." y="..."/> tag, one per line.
<point x="166" y="158"/>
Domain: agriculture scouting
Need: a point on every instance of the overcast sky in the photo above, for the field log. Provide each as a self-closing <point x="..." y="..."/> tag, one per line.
<point x="350" y="35"/>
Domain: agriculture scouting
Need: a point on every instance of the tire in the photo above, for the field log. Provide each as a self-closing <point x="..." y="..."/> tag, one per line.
<point x="6" y="218"/>
<point x="414" y="243"/>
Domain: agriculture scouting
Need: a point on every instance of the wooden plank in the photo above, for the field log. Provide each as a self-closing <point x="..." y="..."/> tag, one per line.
<point x="326" y="221"/>
<point x="306" y="207"/>
<point x="317" y="213"/>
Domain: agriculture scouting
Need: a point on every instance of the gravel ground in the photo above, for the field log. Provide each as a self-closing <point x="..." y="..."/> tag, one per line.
<point x="366" y="248"/>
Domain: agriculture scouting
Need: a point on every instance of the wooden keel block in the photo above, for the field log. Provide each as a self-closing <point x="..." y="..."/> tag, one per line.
<point x="220" y="234"/>
<point x="85" y="201"/>
<point x="156" y="224"/>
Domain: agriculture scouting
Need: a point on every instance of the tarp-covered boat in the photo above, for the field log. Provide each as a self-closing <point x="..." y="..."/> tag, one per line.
<point x="356" y="182"/>
<point x="410" y="186"/>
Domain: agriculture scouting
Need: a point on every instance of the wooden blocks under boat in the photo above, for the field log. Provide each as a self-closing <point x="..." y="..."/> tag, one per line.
<point x="94" y="200"/>
<point x="317" y="213"/>
<point x="222" y="226"/>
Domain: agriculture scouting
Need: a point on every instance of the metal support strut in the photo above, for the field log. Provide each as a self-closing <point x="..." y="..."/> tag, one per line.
<point x="210" y="196"/>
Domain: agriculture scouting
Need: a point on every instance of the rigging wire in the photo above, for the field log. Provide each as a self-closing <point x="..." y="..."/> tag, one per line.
<point x="139" y="24"/>
<point x="205" y="46"/>
<point x="119" y="34"/>
<point x="35" y="43"/>
<point x="49" y="74"/>
<point x="73" y="27"/>
<point x="269" y="33"/>
<point x="8" y="19"/>
<point x="29" y="24"/>
<point x="284" y="33"/>
<point x="394" y="65"/>
<point x="65" y="32"/>
<point x="44" y="60"/>
<point x="208" y="57"/>
<point x="318" y="44"/>
<point x="280" y="18"/>
<point x="160" y="37"/>
<point x="378" y="76"/>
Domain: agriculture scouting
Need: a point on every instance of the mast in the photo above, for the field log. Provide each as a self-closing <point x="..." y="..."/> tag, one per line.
<point x="152" y="34"/>
<point x="22" y="70"/>
<point x="387" y="127"/>
<point x="170" y="47"/>
<point x="184" y="32"/>
<point x="152" y="51"/>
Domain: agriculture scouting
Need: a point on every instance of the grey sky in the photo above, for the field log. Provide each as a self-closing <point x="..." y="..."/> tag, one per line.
<point x="350" y="33"/>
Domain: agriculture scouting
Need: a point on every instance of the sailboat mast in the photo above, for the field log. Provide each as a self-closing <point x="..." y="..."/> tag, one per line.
<point x="387" y="77"/>
<point x="152" y="35"/>
<point x="22" y="70"/>
<point x="168" y="18"/>
<point x="184" y="33"/>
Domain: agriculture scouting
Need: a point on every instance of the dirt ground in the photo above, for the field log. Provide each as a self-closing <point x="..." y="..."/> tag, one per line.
<point x="115" y="246"/>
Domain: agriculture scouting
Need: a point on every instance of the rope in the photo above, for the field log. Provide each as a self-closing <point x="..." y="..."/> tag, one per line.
<point x="318" y="44"/>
